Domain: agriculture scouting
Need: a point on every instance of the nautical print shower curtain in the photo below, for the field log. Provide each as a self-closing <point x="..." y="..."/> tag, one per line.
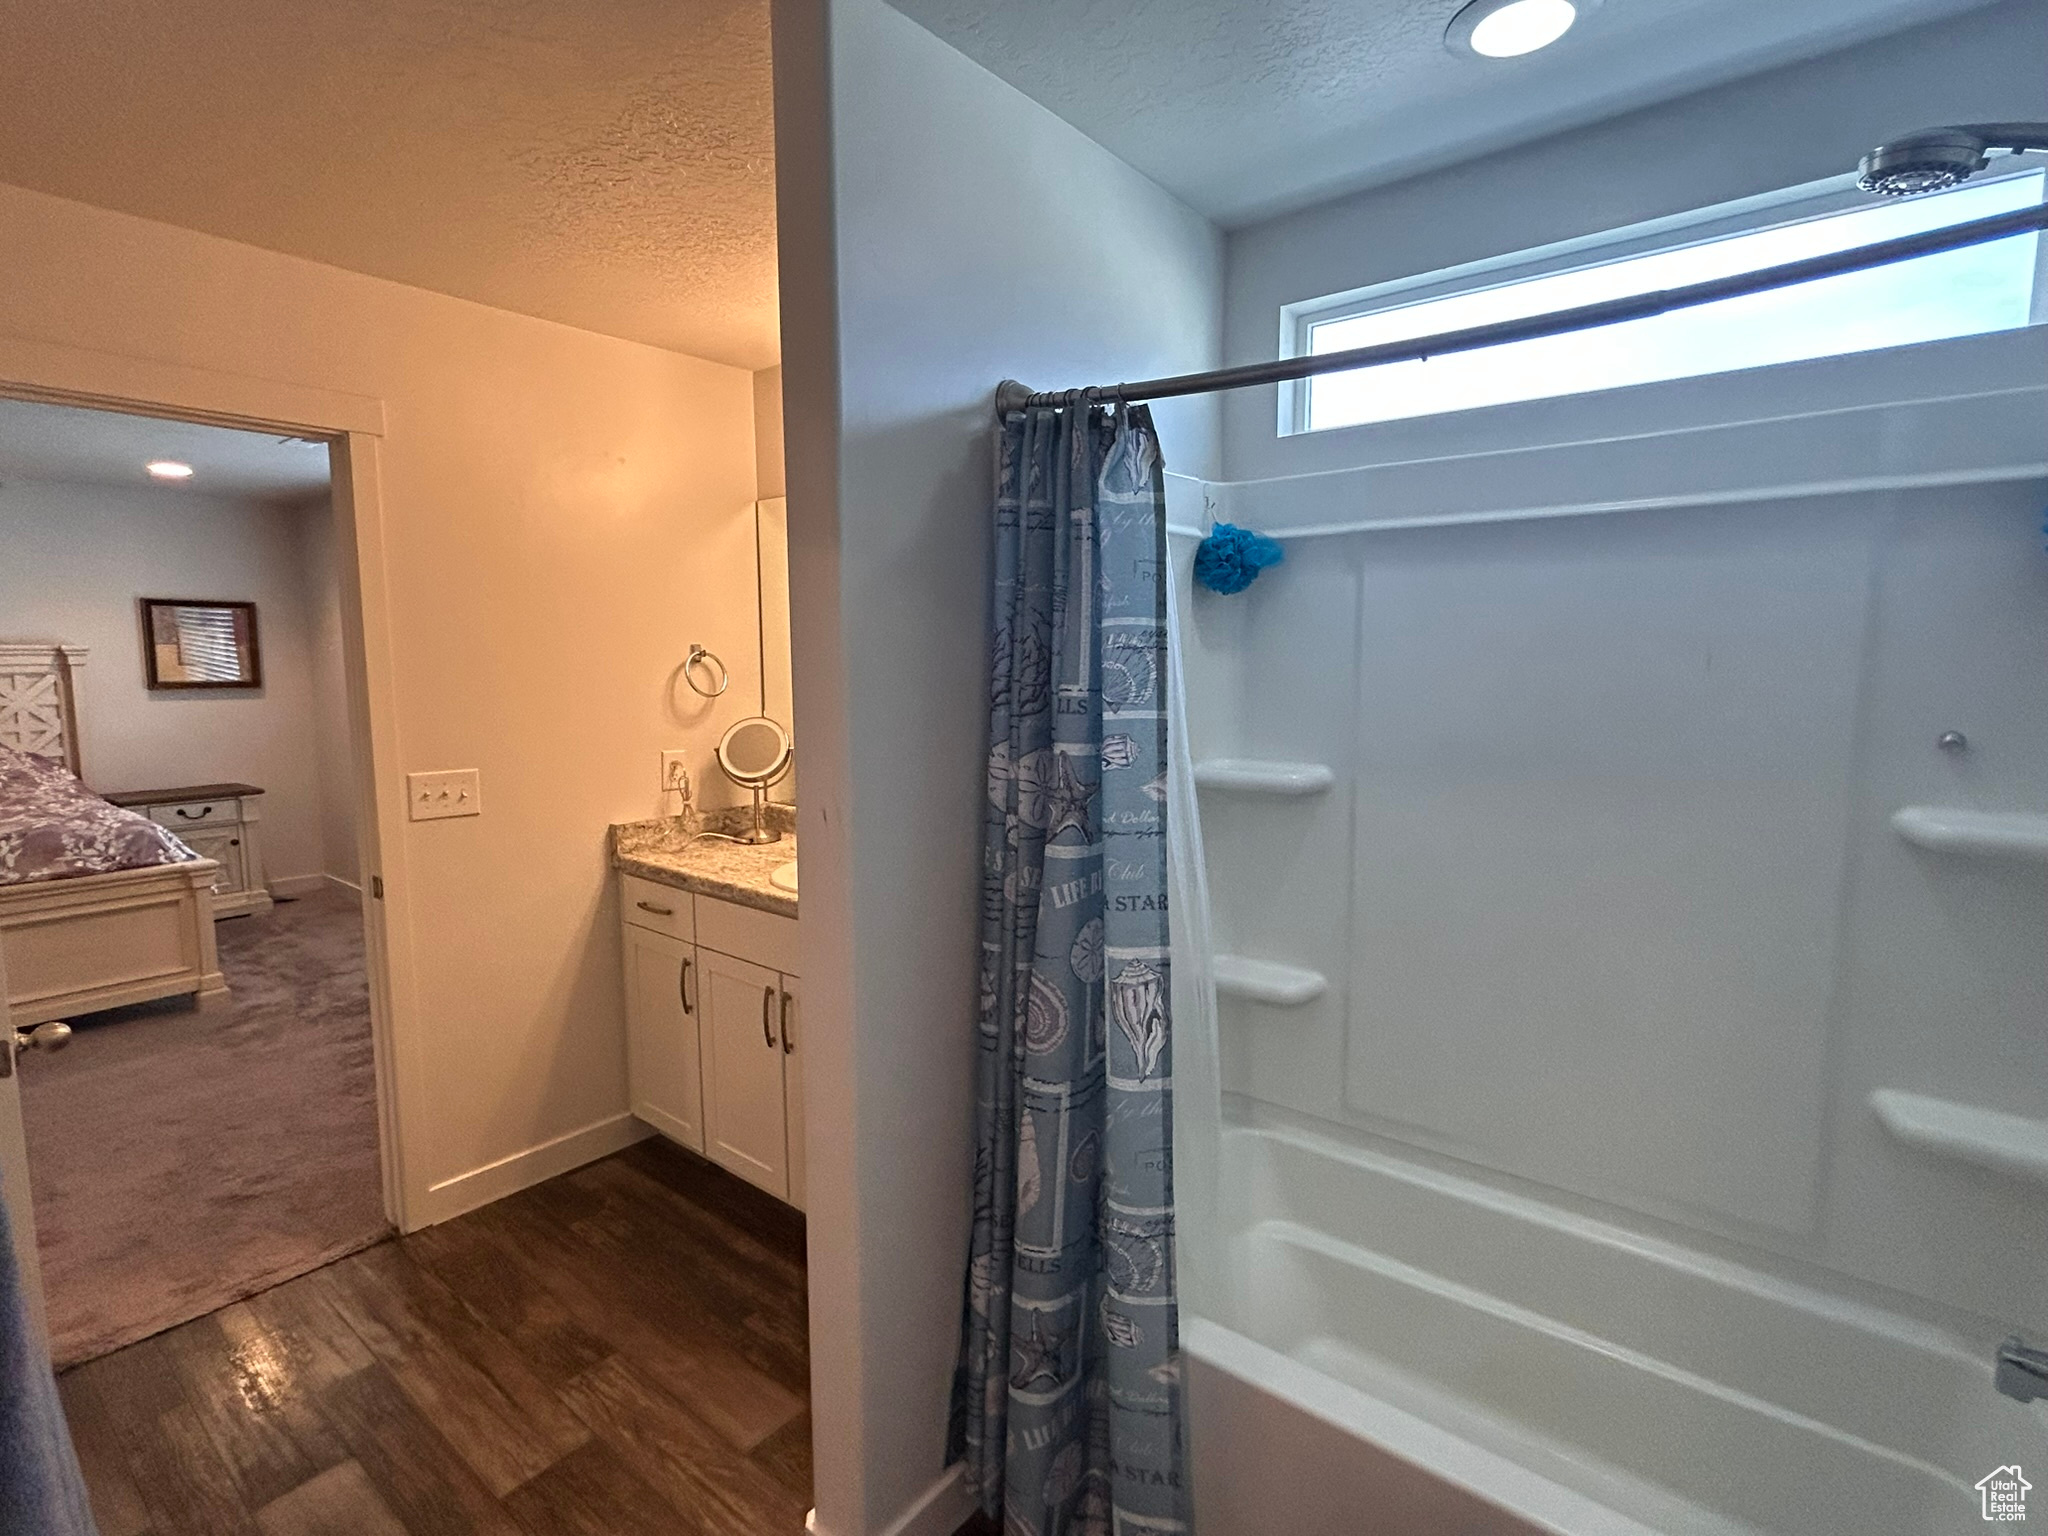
<point x="1068" y="1404"/>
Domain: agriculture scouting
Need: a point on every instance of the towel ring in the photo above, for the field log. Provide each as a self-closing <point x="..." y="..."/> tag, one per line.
<point x="699" y="657"/>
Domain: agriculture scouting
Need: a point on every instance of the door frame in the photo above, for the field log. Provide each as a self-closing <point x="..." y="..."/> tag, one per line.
<point x="353" y="428"/>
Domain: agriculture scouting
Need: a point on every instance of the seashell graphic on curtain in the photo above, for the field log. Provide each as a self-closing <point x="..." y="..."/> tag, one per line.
<point x="1137" y="1001"/>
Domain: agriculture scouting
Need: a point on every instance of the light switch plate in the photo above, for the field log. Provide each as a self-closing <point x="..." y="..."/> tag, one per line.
<point x="450" y="792"/>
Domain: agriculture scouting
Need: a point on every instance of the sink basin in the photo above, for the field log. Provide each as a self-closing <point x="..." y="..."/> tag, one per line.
<point x="783" y="877"/>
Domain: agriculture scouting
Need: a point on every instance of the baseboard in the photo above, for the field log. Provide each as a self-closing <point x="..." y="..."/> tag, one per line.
<point x="939" y="1511"/>
<point x="306" y="885"/>
<point x="508" y="1175"/>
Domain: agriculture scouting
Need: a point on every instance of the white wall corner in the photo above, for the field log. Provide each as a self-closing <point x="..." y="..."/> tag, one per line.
<point x="291" y="887"/>
<point x="939" y="1511"/>
<point x="508" y="1175"/>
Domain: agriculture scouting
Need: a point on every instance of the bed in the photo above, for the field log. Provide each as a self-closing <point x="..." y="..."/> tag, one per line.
<point x="98" y="906"/>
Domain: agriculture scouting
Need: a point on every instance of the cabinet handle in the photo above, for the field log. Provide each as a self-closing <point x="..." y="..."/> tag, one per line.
<point x="788" y="1045"/>
<point x="767" y="1013"/>
<point x="186" y="815"/>
<point x="683" y="987"/>
<point x="648" y="906"/>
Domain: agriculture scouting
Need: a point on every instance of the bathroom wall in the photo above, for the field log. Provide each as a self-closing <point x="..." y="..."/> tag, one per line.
<point x="78" y="557"/>
<point x="563" y="514"/>
<point x="939" y="231"/>
<point x="1775" y="130"/>
<point x="768" y="472"/>
<point x="332" y="734"/>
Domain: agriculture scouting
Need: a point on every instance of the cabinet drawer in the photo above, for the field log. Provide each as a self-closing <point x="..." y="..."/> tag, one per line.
<point x="748" y="934"/>
<point x="649" y="904"/>
<point x="192" y="814"/>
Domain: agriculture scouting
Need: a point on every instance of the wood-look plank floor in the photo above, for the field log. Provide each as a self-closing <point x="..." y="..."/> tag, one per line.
<point x="617" y="1351"/>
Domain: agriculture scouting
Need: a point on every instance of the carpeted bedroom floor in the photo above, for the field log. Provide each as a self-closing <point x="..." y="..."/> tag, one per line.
<point x="183" y="1160"/>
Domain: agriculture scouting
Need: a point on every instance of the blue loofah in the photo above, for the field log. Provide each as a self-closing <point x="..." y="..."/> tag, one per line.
<point x="1230" y="559"/>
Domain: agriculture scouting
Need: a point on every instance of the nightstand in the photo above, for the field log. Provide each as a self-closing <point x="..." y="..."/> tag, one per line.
<point x="222" y="822"/>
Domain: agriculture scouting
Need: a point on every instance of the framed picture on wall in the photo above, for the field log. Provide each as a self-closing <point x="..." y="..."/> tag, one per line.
<point x="200" y="643"/>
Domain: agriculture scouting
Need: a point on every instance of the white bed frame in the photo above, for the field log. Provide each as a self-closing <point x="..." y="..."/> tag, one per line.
<point x="93" y="941"/>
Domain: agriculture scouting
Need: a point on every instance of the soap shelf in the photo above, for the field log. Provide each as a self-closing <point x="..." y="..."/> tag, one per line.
<point x="1989" y="1138"/>
<point x="1266" y="981"/>
<point x="1986" y="834"/>
<point x="1254" y="776"/>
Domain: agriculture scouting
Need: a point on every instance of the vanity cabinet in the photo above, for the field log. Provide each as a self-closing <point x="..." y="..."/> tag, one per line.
<point x="662" y="1060"/>
<point x="712" y="1018"/>
<point x="746" y="1122"/>
<point x="793" y="1078"/>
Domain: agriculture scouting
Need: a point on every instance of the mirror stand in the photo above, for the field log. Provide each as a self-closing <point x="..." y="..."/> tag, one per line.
<point x="760" y="832"/>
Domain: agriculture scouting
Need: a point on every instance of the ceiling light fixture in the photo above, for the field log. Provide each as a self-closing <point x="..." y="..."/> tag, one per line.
<point x="1507" y="29"/>
<point x="169" y="469"/>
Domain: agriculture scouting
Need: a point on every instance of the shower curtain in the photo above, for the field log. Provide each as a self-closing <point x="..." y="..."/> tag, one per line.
<point x="1067" y="1405"/>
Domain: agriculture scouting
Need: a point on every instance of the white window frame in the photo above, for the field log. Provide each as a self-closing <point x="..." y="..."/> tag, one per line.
<point x="1770" y="210"/>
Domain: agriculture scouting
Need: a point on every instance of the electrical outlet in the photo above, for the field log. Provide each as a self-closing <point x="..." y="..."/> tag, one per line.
<point x="451" y="792"/>
<point x="675" y="772"/>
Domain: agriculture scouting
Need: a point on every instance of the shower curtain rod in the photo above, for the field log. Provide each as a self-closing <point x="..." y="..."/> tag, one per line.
<point x="1012" y="396"/>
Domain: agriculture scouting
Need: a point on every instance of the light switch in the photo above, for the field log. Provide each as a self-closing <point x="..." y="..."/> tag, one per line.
<point x="451" y="792"/>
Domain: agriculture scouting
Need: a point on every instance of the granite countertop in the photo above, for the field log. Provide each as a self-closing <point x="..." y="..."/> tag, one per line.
<point x="736" y="872"/>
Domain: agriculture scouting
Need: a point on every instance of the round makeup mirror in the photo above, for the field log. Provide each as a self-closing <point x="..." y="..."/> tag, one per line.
<point x="755" y="753"/>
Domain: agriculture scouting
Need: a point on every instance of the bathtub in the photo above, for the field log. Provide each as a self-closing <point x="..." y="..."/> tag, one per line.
<point x="1397" y="1348"/>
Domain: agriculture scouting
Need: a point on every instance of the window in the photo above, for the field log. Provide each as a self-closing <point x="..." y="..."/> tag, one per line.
<point x="1992" y="287"/>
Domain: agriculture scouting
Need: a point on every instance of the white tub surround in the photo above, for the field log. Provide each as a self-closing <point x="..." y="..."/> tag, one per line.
<point x="1666" y="1146"/>
<point x="1577" y="1372"/>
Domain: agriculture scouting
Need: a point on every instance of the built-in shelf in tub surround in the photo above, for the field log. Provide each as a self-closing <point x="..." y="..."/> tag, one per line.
<point x="1267" y="981"/>
<point x="1987" y="834"/>
<point x="1989" y="1138"/>
<point x="1259" y="777"/>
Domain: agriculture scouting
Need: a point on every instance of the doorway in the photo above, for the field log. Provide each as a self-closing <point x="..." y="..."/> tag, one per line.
<point x="218" y="1119"/>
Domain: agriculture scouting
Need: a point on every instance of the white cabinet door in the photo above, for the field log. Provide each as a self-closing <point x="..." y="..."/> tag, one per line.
<point x="793" y="1086"/>
<point x="224" y="846"/>
<point x="663" y="995"/>
<point x="743" y="1109"/>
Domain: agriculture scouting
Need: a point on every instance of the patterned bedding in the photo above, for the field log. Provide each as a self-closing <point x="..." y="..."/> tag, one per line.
<point x="52" y="826"/>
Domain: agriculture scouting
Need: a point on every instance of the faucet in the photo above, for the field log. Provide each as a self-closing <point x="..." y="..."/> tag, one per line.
<point x="679" y="785"/>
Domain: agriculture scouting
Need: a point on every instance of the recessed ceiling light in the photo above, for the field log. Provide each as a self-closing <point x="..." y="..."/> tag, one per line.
<point x="1507" y="29"/>
<point x="169" y="469"/>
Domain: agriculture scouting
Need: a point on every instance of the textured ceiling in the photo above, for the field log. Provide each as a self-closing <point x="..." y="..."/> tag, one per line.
<point x="81" y="447"/>
<point x="1248" y="108"/>
<point x="608" y="164"/>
